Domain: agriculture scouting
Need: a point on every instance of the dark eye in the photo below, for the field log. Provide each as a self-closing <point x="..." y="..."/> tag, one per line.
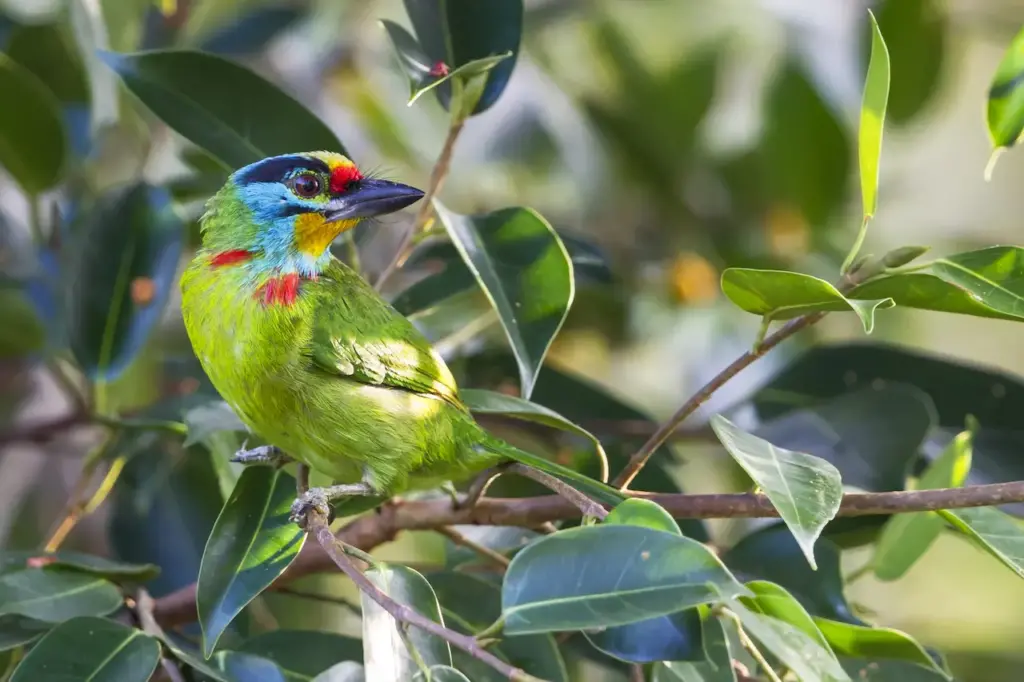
<point x="306" y="185"/>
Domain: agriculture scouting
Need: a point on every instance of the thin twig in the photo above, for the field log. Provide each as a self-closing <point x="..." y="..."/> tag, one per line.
<point x="144" y="611"/>
<point x="586" y="505"/>
<point x="749" y="645"/>
<point x="639" y="459"/>
<point x="426" y="207"/>
<point x="486" y="552"/>
<point x="636" y="673"/>
<point x="78" y="505"/>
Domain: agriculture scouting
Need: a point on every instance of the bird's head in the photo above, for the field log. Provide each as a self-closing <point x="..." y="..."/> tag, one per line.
<point x="286" y="210"/>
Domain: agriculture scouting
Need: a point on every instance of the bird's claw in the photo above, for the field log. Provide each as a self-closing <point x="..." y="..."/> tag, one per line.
<point x="264" y="454"/>
<point x="314" y="499"/>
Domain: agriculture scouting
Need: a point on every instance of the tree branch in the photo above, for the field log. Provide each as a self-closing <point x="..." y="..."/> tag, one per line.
<point x="371" y="530"/>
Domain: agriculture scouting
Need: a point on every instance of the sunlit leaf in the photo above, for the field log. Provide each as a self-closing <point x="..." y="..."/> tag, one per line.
<point x="806" y="490"/>
<point x="607" y="575"/>
<point x="54" y="596"/>
<point x="875" y="670"/>
<point x="523" y="268"/>
<point x="772" y="600"/>
<point x="251" y="544"/>
<point x="872" y="118"/>
<point x="33" y="145"/>
<point x="997" y="533"/>
<point x="858" y="641"/>
<point x="906" y="537"/>
<point x="220" y="106"/>
<point x="93" y="649"/>
<point x="1006" y="96"/>
<point x="781" y="295"/>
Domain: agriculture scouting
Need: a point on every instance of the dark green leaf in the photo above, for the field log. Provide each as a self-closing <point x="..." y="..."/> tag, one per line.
<point x="440" y="673"/>
<point x="303" y="654"/>
<point x="915" y="33"/>
<point x="220" y="106"/>
<point x="126" y="262"/>
<point x="523" y="268"/>
<point x="86" y="563"/>
<point x="1006" y="96"/>
<point x="93" y="649"/>
<point x="781" y="295"/>
<point x="342" y="672"/>
<point x="717" y="663"/>
<point x="386" y="657"/>
<point x="251" y="544"/>
<point x="984" y="283"/>
<point x="477" y="603"/>
<point x="457" y="32"/>
<point x="55" y="595"/>
<point x="502" y="539"/>
<point x="773" y="554"/>
<point x="997" y="533"/>
<point x="16" y="631"/>
<point x="868" y="670"/>
<point x="238" y="667"/>
<point x="806" y="490"/>
<point x="872" y="118"/>
<point x="32" y="139"/>
<point x="906" y="537"/>
<point x="607" y="575"/>
<point x="491" y="402"/>
<point x="857" y="641"/>
<point x="23" y="331"/>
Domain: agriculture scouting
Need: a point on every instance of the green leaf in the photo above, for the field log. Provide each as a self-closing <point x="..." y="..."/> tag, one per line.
<point x="806" y="490"/>
<point x="220" y="106"/>
<point x="342" y="672"/>
<point x="85" y="563"/>
<point x="1006" y="96"/>
<point x="55" y="595"/>
<point x="797" y="650"/>
<point x="233" y="666"/>
<point x="781" y="295"/>
<point x="857" y="641"/>
<point x="607" y="575"/>
<point x="772" y="600"/>
<point x="984" y="283"/>
<point x="93" y="649"/>
<point x="386" y="657"/>
<point x="16" y="631"/>
<point x="872" y="118"/>
<point x="23" y="332"/>
<point x="440" y="673"/>
<point x="251" y="544"/>
<point x="33" y="145"/>
<point x="645" y="513"/>
<point x="457" y="32"/>
<point x="525" y="272"/>
<point x="873" y="670"/>
<point x="471" y="600"/>
<point x="997" y="533"/>
<point x="906" y="537"/>
<point x="125" y="263"/>
<point x="492" y="402"/>
<point x="717" y="663"/>
<point x="303" y="654"/>
<point x="502" y="539"/>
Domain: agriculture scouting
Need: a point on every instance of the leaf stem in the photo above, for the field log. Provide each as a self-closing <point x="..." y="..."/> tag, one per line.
<point x="78" y="506"/>
<point x="857" y="244"/>
<point x="426" y="207"/>
<point x="749" y="645"/>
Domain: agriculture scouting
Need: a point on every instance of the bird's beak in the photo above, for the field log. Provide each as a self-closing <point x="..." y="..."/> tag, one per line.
<point x="373" y="197"/>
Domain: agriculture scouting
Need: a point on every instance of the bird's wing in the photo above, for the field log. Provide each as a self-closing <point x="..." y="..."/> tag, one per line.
<point x="357" y="335"/>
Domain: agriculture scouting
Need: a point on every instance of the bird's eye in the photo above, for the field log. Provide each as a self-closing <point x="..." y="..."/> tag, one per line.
<point x="306" y="185"/>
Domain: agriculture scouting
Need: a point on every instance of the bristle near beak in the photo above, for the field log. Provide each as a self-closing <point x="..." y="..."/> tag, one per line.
<point x="372" y="197"/>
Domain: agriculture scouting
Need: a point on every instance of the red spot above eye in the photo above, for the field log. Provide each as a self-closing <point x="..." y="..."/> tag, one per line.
<point x="283" y="290"/>
<point x="233" y="257"/>
<point x="342" y="176"/>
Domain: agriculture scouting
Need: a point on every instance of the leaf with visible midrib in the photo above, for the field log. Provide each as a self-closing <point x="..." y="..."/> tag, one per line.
<point x="872" y="118"/>
<point x="251" y="544"/>
<point x="55" y="595"/>
<point x="998" y="533"/>
<point x="1006" y="96"/>
<point x="806" y="490"/>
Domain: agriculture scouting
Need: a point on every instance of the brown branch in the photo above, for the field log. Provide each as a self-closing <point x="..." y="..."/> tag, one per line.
<point x="371" y="530"/>
<point x="43" y="432"/>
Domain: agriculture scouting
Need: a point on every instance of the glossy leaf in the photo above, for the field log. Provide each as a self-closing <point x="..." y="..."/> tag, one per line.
<point x="476" y="602"/>
<point x="385" y="654"/>
<point x="238" y="667"/>
<point x="806" y="490"/>
<point x="984" y="283"/>
<point x="492" y="402"/>
<point x="781" y="295"/>
<point x="873" y="670"/>
<point x="640" y="512"/>
<point x="456" y="32"/>
<point x="717" y="663"/>
<point x="33" y="145"/>
<point x="771" y="600"/>
<point x="16" y="631"/>
<point x="1006" y="96"/>
<point x="125" y="264"/>
<point x="54" y="596"/>
<point x="78" y="561"/>
<point x="524" y="270"/>
<point x="997" y="533"/>
<point x="94" y="649"/>
<point x="872" y="118"/>
<point x="220" y="106"/>
<point x="251" y="544"/>
<point x="858" y="641"/>
<point x="906" y="537"/>
<point x="797" y="650"/>
<point x="607" y="575"/>
<point x="303" y="654"/>
<point x="773" y="554"/>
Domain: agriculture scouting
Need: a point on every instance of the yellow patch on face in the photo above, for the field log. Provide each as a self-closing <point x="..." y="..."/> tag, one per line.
<point x="313" y="234"/>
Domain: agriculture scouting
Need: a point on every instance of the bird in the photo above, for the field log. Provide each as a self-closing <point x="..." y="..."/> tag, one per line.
<point x="309" y="355"/>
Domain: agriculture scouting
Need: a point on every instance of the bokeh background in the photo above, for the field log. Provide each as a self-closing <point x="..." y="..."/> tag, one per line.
<point x="681" y="136"/>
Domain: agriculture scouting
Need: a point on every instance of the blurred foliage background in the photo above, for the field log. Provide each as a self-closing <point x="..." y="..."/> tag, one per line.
<point x="679" y="136"/>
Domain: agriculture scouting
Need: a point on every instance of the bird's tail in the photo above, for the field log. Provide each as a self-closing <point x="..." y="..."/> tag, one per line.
<point x="594" y="489"/>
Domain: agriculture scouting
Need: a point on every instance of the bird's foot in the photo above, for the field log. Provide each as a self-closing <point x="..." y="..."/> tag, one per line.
<point x="264" y="454"/>
<point x="319" y="500"/>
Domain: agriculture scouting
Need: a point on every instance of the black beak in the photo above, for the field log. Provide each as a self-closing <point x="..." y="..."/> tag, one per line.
<point x="371" y="197"/>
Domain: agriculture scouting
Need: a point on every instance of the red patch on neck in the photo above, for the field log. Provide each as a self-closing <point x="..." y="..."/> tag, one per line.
<point x="233" y="257"/>
<point x="341" y="176"/>
<point x="283" y="290"/>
